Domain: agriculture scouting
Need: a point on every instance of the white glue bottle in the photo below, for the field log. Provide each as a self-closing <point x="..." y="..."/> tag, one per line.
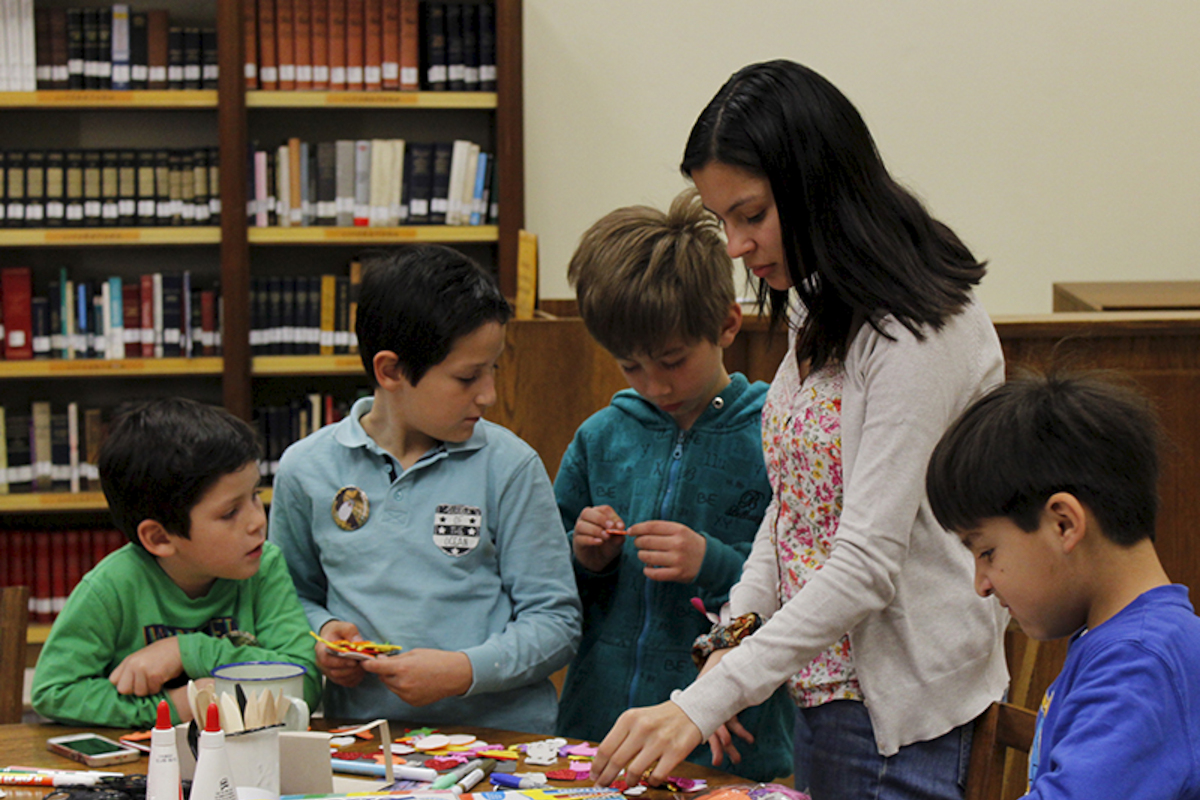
<point x="214" y="777"/>
<point x="162" y="775"/>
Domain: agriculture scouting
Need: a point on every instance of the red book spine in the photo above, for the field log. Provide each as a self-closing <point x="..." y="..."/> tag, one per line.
<point x="356" y="20"/>
<point x="16" y="287"/>
<point x="391" y="45"/>
<point x="58" y="575"/>
<point x="6" y="559"/>
<point x="208" y="321"/>
<point x="410" y="45"/>
<point x="320" y="45"/>
<point x="16" y="558"/>
<point x="116" y="540"/>
<point x="99" y="546"/>
<point x="250" y="34"/>
<point x="74" y="560"/>
<point x="285" y="43"/>
<point x="372" y="44"/>
<point x="85" y="553"/>
<point x="337" y="45"/>
<point x="147" y="316"/>
<point x="303" y="28"/>
<point x="131" y="312"/>
<point x="43" y="578"/>
<point x="268" y="65"/>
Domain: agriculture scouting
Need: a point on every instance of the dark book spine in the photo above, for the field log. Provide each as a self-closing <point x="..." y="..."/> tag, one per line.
<point x="39" y="309"/>
<point x="455" y="61"/>
<point x="193" y="59"/>
<point x="91" y="48"/>
<point x="175" y="59"/>
<point x="434" y="47"/>
<point x="175" y="187"/>
<point x="418" y="171"/>
<point x="92" y="199"/>
<point x="275" y="315"/>
<point x="327" y="183"/>
<point x="470" y="46"/>
<point x="44" y="69"/>
<point x="287" y="337"/>
<point x="487" y="47"/>
<point x="214" y="187"/>
<point x="162" y="187"/>
<point x="172" y="315"/>
<point x="56" y="209"/>
<point x="139" y="65"/>
<point x="14" y="189"/>
<point x="35" y="189"/>
<point x="313" y="322"/>
<point x="74" y="184"/>
<point x="210" y="71"/>
<point x="202" y="191"/>
<point x="60" y="69"/>
<point x="104" y="62"/>
<point x="341" y="319"/>
<point x="127" y="193"/>
<point x="76" y="50"/>
<point x="146" y="214"/>
<point x="439" y="196"/>
<point x="110" y="188"/>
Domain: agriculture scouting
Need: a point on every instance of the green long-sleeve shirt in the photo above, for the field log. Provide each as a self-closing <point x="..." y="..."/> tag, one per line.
<point x="127" y="602"/>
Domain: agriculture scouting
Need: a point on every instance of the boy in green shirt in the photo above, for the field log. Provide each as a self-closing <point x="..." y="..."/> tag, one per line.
<point x="197" y="586"/>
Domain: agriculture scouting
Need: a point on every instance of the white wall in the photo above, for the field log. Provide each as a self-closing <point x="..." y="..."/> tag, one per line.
<point x="1059" y="138"/>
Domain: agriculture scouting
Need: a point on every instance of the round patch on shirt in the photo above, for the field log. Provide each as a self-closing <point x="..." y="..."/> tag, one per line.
<point x="456" y="528"/>
<point x="350" y="508"/>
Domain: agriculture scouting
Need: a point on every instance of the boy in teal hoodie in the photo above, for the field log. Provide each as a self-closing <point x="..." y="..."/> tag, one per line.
<point x="664" y="490"/>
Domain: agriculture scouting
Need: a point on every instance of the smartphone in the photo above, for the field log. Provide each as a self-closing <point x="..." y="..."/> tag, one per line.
<point x="92" y="749"/>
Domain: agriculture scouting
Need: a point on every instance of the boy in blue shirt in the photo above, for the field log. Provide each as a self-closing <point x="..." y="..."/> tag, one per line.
<point x="1051" y="484"/>
<point x="415" y="522"/>
<point x="664" y="490"/>
<point x="196" y="587"/>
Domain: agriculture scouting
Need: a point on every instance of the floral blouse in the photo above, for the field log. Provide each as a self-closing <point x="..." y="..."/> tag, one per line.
<point x="802" y="444"/>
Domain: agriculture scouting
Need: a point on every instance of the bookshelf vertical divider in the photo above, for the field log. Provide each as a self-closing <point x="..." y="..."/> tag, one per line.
<point x="510" y="138"/>
<point x="235" y="248"/>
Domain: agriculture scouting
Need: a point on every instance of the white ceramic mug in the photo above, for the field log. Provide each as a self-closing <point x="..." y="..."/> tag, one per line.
<point x="279" y="677"/>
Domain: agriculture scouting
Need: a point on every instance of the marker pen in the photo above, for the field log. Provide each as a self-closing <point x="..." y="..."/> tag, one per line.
<point x="514" y="782"/>
<point x="469" y="781"/>
<point x="455" y="775"/>
<point x="404" y="771"/>
<point x="35" y="779"/>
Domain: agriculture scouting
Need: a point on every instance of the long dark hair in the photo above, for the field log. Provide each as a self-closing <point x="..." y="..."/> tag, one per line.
<point x="858" y="245"/>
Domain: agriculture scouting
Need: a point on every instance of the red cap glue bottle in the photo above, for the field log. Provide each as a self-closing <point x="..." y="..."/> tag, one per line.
<point x="214" y="776"/>
<point x="162" y="776"/>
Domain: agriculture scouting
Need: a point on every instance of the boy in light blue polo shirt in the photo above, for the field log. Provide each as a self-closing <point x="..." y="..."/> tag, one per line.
<point x="414" y="522"/>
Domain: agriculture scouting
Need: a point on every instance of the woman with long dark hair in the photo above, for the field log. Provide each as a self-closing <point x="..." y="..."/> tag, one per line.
<point x="853" y="595"/>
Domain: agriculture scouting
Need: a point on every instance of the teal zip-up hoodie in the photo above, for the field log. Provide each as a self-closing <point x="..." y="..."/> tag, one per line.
<point x="638" y="633"/>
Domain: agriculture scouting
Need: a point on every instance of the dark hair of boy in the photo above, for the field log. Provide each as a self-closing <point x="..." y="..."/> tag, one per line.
<point x="160" y="457"/>
<point x="418" y="301"/>
<point x="642" y="277"/>
<point x="859" y="246"/>
<point x="1032" y="437"/>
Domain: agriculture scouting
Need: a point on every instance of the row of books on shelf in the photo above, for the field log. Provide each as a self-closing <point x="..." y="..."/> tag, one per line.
<point x="280" y="426"/>
<point x="156" y="315"/>
<point x="50" y="448"/>
<point x="95" y="188"/>
<point x="369" y="45"/>
<point x="372" y="183"/>
<point x="110" y="47"/>
<point x="51" y="564"/>
<point x="305" y="315"/>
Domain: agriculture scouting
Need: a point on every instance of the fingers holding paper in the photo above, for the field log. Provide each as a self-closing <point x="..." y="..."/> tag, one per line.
<point x="657" y="737"/>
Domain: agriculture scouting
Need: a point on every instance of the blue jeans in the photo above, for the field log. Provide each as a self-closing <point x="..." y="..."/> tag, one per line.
<point x="836" y="759"/>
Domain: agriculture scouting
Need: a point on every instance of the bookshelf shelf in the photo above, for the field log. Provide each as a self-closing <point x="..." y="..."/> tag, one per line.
<point x="52" y="501"/>
<point x="443" y="100"/>
<point x="280" y="366"/>
<point x="97" y="99"/>
<point x="106" y="368"/>
<point x="82" y="237"/>
<point x="412" y="233"/>
<point x="36" y="634"/>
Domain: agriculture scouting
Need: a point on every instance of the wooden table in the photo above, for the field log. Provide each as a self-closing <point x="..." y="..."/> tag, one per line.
<point x="25" y="745"/>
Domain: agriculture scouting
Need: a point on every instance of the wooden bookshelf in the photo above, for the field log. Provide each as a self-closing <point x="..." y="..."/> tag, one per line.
<point x="100" y="368"/>
<point x="107" y="237"/>
<point x="51" y="501"/>
<point x="446" y="234"/>
<point x="285" y="366"/>
<point x="430" y="100"/>
<point x="109" y="100"/>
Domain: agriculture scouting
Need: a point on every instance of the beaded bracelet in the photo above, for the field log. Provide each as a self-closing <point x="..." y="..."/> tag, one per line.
<point x="724" y="636"/>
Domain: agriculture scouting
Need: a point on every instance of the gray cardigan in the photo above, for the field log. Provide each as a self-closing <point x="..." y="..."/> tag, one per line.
<point x="927" y="650"/>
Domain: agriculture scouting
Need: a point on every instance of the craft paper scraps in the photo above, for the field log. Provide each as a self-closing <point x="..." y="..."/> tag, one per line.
<point x="342" y="741"/>
<point x="399" y="749"/>
<point x="461" y="739"/>
<point x="434" y="741"/>
<point x="564" y="775"/>
<point x="500" y="755"/>
<point x="634" y="791"/>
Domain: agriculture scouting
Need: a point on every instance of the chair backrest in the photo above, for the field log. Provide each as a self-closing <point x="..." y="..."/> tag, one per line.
<point x="14" y="624"/>
<point x="1002" y="728"/>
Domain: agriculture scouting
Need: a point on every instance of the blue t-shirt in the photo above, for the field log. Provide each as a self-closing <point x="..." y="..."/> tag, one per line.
<point x="1122" y="720"/>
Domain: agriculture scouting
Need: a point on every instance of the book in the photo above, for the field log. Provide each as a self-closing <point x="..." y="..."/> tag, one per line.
<point x="93" y="436"/>
<point x="419" y="171"/>
<point x="4" y="475"/>
<point x="459" y="155"/>
<point x="487" y="47"/>
<point x="295" y="182"/>
<point x="326" y="183"/>
<point x="439" y="196"/>
<point x="356" y="21"/>
<point x="214" y="186"/>
<point x="45" y="81"/>
<point x="139" y="64"/>
<point x="59" y="56"/>
<point x="193" y="59"/>
<point x="210" y="68"/>
<point x="396" y="214"/>
<point x="341" y="315"/>
<point x="104" y="47"/>
<point x="162" y="187"/>
<point x="157" y="48"/>
<point x="156" y="310"/>
<point x="201" y="192"/>
<point x="40" y="453"/>
<point x="478" y="201"/>
<point x="282" y="186"/>
<point x="92" y="197"/>
<point x="76" y="53"/>
<point x="14" y="190"/>
<point x="115" y="319"/>
<point x="313" y="321"/>
<point x="362" y="182"/>
<point x="434" y="47"/>
<point x="172" y="315"/>
<point x="40" y="314"/>
<point x="372" y="44"/>
<point x="56" y="209"/>
<point x="120" y="47"/>
<point x="250" y="44"/>
<point x="337" y="45"/>
<point x="60" y="452"/>
<point x="175" y="187"/>
<point x="16" y="296"/>
<point x="328" y="313"/>
<point x="127" y="188"/>
<point x="147" y="213"/>
<point x="355" y="288"/>
<point x="131" y="315"/>
<point x="73" y="177"/>
<point x="208" y="322"/>
<point x="390" y="66"/>
<point x="377" y="188"/>
<point x="109" y="188"/>
<point x="410" y="45"/>
<point x="19" y="448"/>
<point x="146" y="314"/>
<point x="91" y="48"/>
<point x="285" y="43"/>
<point x="345" y="151"/>
<point x="455" y="61"/>
<point x="319" y="16"/>
<point x="175" y="58"/>
<point x="470" y="40"/>
<point x="274" y="315"/>
<point x="268" y="70"/>
<point x="302" y="14"/>
<point x="35" y="188"/>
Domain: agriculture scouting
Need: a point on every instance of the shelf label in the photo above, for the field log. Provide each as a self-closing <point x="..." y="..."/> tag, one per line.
<point x="351" y="234"/>
<point x="373" y="98"/>
<point x="77" y="235"/>
<point x="93" y="96"/>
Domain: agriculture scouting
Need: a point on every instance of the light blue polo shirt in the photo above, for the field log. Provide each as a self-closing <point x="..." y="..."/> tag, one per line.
<point x="464" y="550"/>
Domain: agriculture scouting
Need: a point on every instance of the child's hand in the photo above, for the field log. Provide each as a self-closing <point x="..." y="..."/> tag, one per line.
<point x="670" y="551"/>
<point x="594" y="548"/>
<point x="342" y="671"/>
<point x="423" y="676"/>
<point x="143" y="673"/>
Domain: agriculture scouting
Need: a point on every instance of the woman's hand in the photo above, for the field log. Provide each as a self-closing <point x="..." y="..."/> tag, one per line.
<point x="658" y="736"/>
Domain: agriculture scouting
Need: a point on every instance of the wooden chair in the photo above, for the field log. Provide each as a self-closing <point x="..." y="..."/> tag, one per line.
<point x="1002" y="728"/>
<point x="14" y="623"/>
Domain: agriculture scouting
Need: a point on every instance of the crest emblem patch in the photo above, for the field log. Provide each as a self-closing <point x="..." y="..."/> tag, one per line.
<point x="456" y="528"/>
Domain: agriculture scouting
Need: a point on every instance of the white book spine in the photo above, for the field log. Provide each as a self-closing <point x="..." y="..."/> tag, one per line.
<point x="158" y="316"/>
